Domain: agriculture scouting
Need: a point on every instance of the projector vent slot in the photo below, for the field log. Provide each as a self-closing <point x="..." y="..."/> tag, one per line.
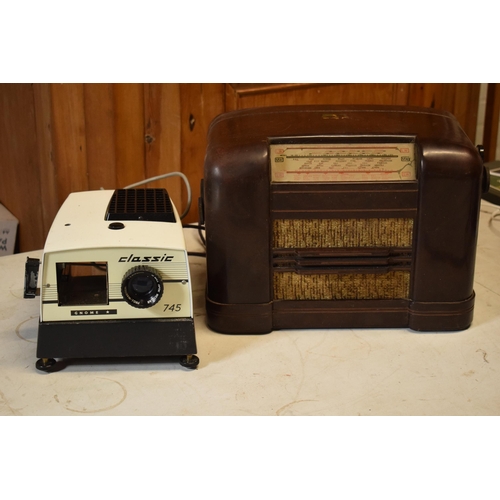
<point x="140" y="204"/>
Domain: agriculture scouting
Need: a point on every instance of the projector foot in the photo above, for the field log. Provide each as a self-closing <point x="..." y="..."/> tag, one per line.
<point x="46" y="365"/>
<point x="190" y="361"/>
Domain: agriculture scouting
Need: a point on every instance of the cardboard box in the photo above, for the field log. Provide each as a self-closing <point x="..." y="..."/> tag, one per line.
<point x="8" y="230"/>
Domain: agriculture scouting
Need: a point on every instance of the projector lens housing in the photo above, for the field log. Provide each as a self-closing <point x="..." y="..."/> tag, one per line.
<point x="142" y="287"/>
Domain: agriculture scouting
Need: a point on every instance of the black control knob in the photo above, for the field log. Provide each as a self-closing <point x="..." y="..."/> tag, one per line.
<point x="142" y="287"/>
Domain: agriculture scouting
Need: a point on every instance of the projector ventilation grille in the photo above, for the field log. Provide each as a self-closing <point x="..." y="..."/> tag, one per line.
<point x="140" y="204"/>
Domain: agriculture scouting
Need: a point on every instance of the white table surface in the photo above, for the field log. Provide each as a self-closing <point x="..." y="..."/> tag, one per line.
<point x="289" y="372"/>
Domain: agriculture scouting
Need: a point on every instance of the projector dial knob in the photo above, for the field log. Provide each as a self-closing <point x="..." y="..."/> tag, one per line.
<point x="142" y="287"/>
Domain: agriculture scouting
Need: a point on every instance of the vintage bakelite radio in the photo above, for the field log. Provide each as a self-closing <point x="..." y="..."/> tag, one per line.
<point x="340" y="217"/>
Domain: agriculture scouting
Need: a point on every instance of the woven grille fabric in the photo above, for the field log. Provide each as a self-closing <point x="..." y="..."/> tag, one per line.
<point x="293" y="286"/>
<point x="338" y="233"/>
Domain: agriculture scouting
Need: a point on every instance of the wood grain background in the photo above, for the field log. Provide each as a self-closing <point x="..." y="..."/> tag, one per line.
<point x="60" y="138"/>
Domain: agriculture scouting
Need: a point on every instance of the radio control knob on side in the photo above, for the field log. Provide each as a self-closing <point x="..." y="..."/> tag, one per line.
<point x="142" y="287"/>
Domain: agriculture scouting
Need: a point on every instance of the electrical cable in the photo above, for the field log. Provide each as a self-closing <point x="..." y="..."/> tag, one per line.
<point x="200" y="228"/>
<point x="494" y="214"/>
<point x="197" y="254"/>
<point x="202" y="237"/>
<point x="163" y="176"/>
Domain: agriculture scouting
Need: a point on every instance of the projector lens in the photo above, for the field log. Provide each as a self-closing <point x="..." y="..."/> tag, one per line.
<point x="142" y="287"/>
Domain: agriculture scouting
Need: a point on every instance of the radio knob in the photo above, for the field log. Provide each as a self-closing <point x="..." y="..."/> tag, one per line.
<point x="142" y="287"/>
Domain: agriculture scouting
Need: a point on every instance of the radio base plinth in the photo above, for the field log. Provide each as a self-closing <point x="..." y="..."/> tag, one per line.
<point x="441" y="316"/>
<point x="239" y="318"/>
<point x="340" y="314"/>
<point x="336" y="314"/>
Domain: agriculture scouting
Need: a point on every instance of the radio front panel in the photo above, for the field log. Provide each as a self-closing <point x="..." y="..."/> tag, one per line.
<point x="360" y="222"/>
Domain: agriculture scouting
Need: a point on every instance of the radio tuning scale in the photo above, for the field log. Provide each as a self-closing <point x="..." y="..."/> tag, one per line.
<point x="386" y="162"/>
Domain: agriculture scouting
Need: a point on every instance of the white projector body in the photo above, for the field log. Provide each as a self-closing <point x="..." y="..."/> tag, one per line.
<point x="115" y="279"/>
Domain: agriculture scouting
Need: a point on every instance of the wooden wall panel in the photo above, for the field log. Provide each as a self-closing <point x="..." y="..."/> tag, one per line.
<point x="100" y="134"/>
<point x="460" y="99"/>
<point x="239" y="96"/>
<point x="69" y="139"/>
<point x="129" y="130"/>
<point x="47" y="170"/>
<point x="400" y="95"/>
<point x="200" y="104"/>
<point x="428" y="95"/>
<point x="19" y="172"/>
<point x="163" y="138"/>
<point x="465" y="107"/>
<point x="491" y="121"/>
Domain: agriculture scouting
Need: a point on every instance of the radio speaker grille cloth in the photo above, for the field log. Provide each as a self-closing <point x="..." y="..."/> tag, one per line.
<point x="338" y="233"/>
<point x="293" y="286"/>
<point x="342" y="233"/>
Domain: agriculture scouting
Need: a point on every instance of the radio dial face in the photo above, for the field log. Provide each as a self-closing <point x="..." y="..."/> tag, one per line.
<point x="142" y="287"/>
<point x="377" y="162"/>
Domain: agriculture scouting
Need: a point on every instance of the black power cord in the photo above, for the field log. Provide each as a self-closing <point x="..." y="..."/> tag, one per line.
<point x="200" y="228"/>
